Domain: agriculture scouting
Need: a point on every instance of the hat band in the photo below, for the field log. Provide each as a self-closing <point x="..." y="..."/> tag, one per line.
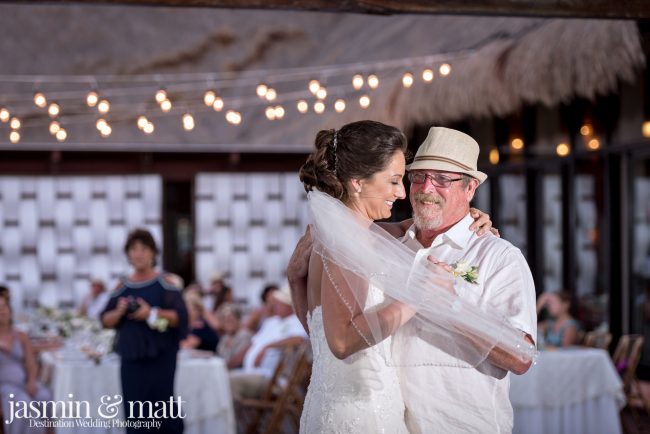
<point x="444" y="160"/>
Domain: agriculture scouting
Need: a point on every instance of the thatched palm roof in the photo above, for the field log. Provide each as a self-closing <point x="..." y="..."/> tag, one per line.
<point x="498" y="64"/>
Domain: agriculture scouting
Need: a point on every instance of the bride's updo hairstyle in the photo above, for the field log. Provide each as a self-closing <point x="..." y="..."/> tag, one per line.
<point x="357" y="151"/>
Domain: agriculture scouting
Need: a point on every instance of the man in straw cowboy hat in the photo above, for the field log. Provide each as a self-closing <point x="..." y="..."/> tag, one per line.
<point x="444" y="394"/>
<point x="491" y="273"/>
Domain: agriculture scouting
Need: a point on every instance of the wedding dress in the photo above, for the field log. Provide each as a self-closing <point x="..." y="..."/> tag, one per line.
<point x="360" y="394"/>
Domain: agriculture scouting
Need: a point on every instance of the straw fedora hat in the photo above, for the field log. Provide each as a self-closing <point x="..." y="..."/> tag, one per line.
<point x="283" y="295"/>
<point x="450" y="151"/>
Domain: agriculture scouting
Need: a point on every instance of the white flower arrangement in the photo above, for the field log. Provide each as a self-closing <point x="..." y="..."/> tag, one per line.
<point x="159" y="324"/>
<point x="465" y="271"/>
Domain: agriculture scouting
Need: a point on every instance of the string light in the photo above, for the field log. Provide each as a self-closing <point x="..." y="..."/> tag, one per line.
<point x="593" y="144"/>
<point x="407" y="80"/>
<point x="53" y="110"/>
<point x="321" y="93"/>
<point x="314" y="85"/>
<point x="427" y="76"/>
<point x="445" y="69"/>
<point x="39" y="100"/>
<point x="302" y="106"/>
<point x="14" y="123"/>
<point x="562" y="149"/>
<point x="585" y="130"/>
<point x="339" y="105"/>
<point x="188" y="122"/>
<point x="494" y="156"/>
<point x="319" y="107"/>
<point x="101" y="124"/>
<point x="261" y="90"/>
<point x="357" y="81"/>
<point x="106" y="131"/>
<point x="373" y="81"/>
<point x="149" y="128"/>
<point x="166" y="105"/>
<point x="103" y="106"/>
<point x="517" y="144"/>
<point x="364" y="101"/>
<point x="271" y="94"/>
<point x="92" y="98"/>
<point x="142" y="122"/>
<point x="61" y="135"/>
<point x="270" y="113"/>
<point x="14" y="137"/>
<point x="4" y="115"/>
<point x="233" y="117"/>
<point x="217" y="105"/>
<point x="209" y="97"/>
<point x="279" y="112"/>
<point x="161" y="96"/>
<point x="54" y="127"/>
<point x="645" y="129"/>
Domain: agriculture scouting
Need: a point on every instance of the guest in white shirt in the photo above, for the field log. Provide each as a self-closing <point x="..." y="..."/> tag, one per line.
<point x="94" y="302"/>
<point x="262" y="357"/>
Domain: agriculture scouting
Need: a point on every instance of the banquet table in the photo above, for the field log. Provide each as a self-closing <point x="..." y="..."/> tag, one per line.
<point x="201" y="382"/>
<point x="571" y="390"/>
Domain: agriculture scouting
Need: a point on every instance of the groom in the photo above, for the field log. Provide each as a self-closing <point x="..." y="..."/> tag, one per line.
<point x="460" y="398"/>
<point x="448" y="395"/>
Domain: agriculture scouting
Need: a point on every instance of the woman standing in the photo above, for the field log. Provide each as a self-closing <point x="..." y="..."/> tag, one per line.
<point x="151" y="319"/>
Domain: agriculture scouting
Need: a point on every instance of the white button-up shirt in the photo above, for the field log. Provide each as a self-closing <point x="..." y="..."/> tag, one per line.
<point x="461" y="398"/>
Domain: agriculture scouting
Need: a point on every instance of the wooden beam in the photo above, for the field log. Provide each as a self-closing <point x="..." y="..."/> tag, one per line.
<point x="626" y="9"/>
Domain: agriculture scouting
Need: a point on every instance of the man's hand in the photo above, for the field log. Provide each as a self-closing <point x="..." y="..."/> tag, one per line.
<point x="482" y="223"/>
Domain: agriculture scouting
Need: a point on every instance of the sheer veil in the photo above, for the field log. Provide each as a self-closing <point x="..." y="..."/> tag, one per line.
<point x="360" y="259"/>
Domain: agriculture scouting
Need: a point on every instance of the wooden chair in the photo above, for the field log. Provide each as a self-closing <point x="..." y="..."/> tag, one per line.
<point x="597" y="340"/>
<point x="283" y="396"/>
<point x="626" y="358"/>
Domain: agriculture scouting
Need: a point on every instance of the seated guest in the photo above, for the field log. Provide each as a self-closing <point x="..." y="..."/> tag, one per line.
<point x="261" y="359"/>
<point x="210" y="293"/>
<point x="236" y="340"/>
<point x="560" y="329"/>
<point x="201" y="336"/>
<point x="18" y="370"/>
<point x="257" y="316"/>
<point x="94" y="302"/>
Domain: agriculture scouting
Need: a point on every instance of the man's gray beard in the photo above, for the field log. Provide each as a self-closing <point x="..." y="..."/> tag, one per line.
<point x="423" y="223"/>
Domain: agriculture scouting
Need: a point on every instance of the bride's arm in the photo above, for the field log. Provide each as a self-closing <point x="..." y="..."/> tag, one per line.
<point x="297" y="275"/>
<point x="348" y="328"/>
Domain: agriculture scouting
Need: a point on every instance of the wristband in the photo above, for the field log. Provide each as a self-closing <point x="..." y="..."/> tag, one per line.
<point x="153" y="316"/>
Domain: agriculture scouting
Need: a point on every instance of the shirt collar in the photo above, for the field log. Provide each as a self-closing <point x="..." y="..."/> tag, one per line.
<point x="459" y="234"/>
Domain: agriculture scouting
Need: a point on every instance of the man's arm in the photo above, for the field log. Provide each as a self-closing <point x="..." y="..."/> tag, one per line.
<point x="297" y="276"/>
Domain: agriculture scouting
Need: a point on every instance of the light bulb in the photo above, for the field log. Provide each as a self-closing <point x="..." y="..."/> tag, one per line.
<point x="494" y="156"/>
<point x="271" y="94"/>
<point x="517" y="143"/>
<point x="585" y="130"/>
<point x="357" y="81"/>
<point x="279" y="112"/>
<point x="188" y="122"/>
<point x="142" y="122"/>
<point x="407" y="80"/>
<point x="39" y="100"/>
<point x="593" y="144"/>
<point x="161" y="96"/>
<point x="445" y="69"/>
<point x="562" y="149"/>
<point x="101" y="124"/>
<point x="302" y="106"/>
<point x="233" y="117"/>
<point x="14" y="137"/>
<point x="321" y="93"/>
<point x="149" y="128"/>
<point x="103" y="106"/>
<point x="54" y="127"/>
<point x="14" y="123"/>
<point x="92" y="98"/>
<point x="314" y="85"/>
<point x="61" y="135"/>
<point x="339" y="105"/>
<point x="270" y="113"/>
<point x="364" y="101"/>
<point x="261" y="90"/>
<point x="645" y="129"/>
<point x="373" y="81"/>
<point x="319" y="107"/>
<point x="427" y="76"/>
<point x="166" y="105"/>
<point x="106" y="131"/>
<point x="53" y="110"/>
<point x="4" y="115"/>
<point x="218" y="104"/>
<point x="209" y="97"/>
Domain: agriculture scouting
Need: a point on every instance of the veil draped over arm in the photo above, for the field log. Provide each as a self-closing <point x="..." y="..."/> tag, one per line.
<point x="359" y="257"/>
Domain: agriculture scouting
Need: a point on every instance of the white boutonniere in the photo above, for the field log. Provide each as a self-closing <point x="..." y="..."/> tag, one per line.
<point x="464" y="270"/>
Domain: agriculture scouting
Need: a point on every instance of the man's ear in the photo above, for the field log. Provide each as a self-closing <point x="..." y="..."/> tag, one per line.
<point x="471" y="188"/>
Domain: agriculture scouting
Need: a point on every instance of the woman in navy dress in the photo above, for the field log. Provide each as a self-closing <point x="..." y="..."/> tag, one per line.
<point x="150" y="317"/>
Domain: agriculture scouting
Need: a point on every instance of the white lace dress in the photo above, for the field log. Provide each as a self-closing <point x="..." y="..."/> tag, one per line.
<point x="360" y="394"/>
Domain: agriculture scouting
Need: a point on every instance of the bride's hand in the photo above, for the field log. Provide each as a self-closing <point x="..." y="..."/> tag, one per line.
<point x="482" y="223"/>
<point x="443" y="267"/>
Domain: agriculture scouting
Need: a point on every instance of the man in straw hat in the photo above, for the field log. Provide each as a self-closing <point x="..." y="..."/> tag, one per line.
<point x="450" y="395"/>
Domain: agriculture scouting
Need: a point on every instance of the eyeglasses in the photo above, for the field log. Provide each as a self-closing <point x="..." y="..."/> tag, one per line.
<point x="436" y="179"/>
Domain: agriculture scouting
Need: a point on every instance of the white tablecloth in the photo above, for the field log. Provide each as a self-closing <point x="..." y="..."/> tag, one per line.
<point x="202" y="383"/>
<point x="572" y="391"/>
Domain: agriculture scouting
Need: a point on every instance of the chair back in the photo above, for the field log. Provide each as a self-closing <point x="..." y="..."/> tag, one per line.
<point x="626" y="357"/>
<point x="597" y="340"/>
